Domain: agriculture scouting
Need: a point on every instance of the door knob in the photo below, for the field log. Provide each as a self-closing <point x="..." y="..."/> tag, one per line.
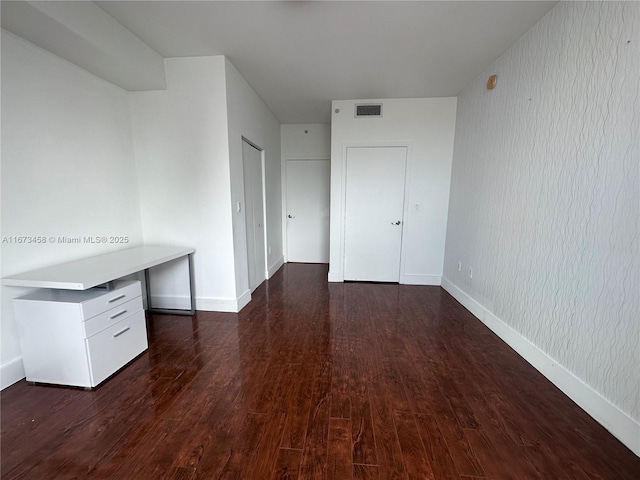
<point x="260" y="225"/>
<point x="396" y="223"/>
<point x="291" y="216"/>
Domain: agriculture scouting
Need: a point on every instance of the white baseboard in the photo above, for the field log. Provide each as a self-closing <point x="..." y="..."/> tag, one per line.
<point x="275" y="267"/>
<point x="420" y="279"/>
<point x="622" y="426"/>
<point x="232" y="305"/>
<point x="11" y="373"/>
<point x="171" y="301"/>
<point x="243" y="300"/>
<point x="335" y="277"/>
<point x="208" y="304"/>
<point x="406" y="279"/>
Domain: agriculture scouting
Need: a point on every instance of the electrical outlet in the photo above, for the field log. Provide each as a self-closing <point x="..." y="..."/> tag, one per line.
<point x="470" y="272"/>
<point x="269" y="249"/>
<point x="459" y="265"/>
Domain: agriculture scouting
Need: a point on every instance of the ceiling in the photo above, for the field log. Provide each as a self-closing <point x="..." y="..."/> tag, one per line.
<point x="300" y="55"/>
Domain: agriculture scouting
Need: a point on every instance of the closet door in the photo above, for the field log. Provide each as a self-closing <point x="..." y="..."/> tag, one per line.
<point x="374" y="210"/>
<point x="254" y="214"/>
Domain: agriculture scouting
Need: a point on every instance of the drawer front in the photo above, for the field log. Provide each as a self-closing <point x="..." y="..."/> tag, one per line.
<point x="110" y="317"/>
<point x="113" y="347"/>
<point x="111" y="299"/>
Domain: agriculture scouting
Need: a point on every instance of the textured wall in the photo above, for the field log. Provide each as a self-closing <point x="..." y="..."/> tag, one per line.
<point x="545" y="193"/>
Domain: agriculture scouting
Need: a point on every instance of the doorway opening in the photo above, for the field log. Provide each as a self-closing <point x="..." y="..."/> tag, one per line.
<point x="307" y="210"/>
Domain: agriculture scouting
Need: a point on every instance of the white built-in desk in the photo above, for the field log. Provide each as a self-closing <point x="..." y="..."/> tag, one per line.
<point x="73" y="333"/>
<point x="104" y="269"/>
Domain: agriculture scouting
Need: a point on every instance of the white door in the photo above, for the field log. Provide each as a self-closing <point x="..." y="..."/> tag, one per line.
<point x="374" y="210"/>
<point x="254" y="214"/>
<point x="308" y="190"/>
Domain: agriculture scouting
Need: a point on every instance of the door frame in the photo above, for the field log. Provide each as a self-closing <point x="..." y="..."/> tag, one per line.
<point x="343" y="198"/>
<point x="285" y="245"/>
<point x="265" y="237"/>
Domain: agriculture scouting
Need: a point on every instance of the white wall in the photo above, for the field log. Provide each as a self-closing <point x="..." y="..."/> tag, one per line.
<point x="426" y="126"/>
<point x="67" y="169"/>
<point x="188" y="144"/>
<point x="182" y="155"/>
<point x="250" y="118"/>
<point x="545" y="205"/>
<point x="306" y="141"/>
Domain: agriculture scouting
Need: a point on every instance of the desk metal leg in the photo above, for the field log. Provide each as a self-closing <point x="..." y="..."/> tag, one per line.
<point x="147" y="285"/>
<point x="192" y="284"/>
<point x="172" y="311"/>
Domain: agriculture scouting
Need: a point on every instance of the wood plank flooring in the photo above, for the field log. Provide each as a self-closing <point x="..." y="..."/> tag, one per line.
<point x="313" y="381"/>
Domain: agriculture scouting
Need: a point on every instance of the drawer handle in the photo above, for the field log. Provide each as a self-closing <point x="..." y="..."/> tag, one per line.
<point x="116" y="315"/>
<point x="117" y="334"/>
<point x="115" y="299"/>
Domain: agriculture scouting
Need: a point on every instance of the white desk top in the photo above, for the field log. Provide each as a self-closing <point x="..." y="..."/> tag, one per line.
<point x="97" y="270"/>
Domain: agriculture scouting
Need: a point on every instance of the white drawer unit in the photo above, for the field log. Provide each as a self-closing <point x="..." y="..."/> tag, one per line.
<point x="80" y="338"/>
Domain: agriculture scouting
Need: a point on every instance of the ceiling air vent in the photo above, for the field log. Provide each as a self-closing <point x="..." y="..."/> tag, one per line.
<point x="369" y="110"/>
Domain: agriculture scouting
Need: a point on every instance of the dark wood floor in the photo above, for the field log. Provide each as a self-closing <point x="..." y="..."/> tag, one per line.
<point x="314" y="381"/>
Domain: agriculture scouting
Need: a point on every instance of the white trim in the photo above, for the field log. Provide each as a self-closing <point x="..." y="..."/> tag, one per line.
<point x="420" y="279"/>
<point x="335" y="277"/>
<point x="302" y="158"/>
<point x="205" y="304"/>
<point x="408" y="167"/>
<point x="405" y="279"/>
<point x="275" y="267"/>
<point x="11" y="373"/>
<point x="171" y="301"/>
<point x="283" y="194"/>
<point x="232" y="305"/>
<point x="265" y="232"/>
<point x="621" y="426"/>
<point x="243" y="300"/>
